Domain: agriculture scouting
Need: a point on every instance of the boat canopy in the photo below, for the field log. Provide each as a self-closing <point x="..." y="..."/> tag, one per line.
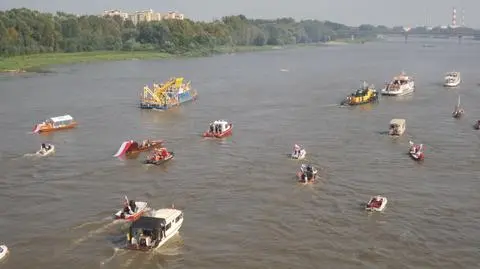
<point x="148" y="223"/>
<point x="62" y="118"/>
<point x="399" y="122"/>
<point x="167" y="214"/>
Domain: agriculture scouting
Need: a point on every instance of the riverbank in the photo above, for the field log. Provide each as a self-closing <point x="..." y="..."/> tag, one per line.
<point x="40" y="62"/>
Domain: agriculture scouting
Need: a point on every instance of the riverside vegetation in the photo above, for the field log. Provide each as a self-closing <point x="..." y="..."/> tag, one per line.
<point x="30" y="39"/>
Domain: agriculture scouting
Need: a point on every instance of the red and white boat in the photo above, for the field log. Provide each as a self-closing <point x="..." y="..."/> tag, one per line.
<point x="132" y="148"/>
<point x="160" y="156"/>
<point x="416" y="151"/>
<point x="219" y="129"/>
<point x="376" y="203"/>
<point x="132" y="210"/>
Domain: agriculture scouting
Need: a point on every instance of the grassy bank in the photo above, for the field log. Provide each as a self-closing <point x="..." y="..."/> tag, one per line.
<point x="37" y="62"/>
<point x="41" y="62"/>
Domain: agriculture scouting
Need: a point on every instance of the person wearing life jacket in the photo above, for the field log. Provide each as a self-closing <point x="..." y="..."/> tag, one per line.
<point x="164" y="153"/>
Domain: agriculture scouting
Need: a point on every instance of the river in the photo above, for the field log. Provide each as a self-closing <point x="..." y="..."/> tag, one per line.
<point x="242" y="205"/>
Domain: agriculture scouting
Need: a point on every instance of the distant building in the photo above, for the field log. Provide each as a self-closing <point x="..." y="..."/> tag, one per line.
<point x="144" y="16"/>
<point x="172" y="15"/>
<point x="111" y="13"/>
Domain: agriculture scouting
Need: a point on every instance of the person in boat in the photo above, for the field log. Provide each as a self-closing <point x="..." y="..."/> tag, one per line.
<point x="127" y="209"/>
<point x="211" y="128"/>
<point x="164" y="153"/>
<point x="133" y="206"/>
<point x="45" y="147"/>
<point x="296" y="150"/>
<point x="309" y="173"/>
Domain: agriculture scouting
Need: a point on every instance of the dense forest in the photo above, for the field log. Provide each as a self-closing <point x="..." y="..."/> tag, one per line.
<point x="24" y="31"/>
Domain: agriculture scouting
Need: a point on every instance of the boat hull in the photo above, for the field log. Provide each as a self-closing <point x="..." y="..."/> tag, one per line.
<point x="3" y="251"/>
<point x="184" y="97"/>
<point x="47" y="153"/>
<point x="300" y="156"/>
<point x="41" y="128"/>
<point x="369" y="206"/>
<point x="226" y="133"/>
<point x="153" y="144"/>
<point x="451" y="84"/>
<point x="403" y="92"/>
<point x="416" y="156"/>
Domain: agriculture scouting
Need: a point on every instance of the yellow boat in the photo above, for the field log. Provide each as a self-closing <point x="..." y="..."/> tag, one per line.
<point x="169" y="94"/>
<point x="366" y="94"/>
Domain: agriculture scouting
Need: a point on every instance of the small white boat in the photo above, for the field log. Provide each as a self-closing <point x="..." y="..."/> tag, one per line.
<point x="46" y="150"/>
<point x="397" y="127"/>
<point x="376" y="203"/>
<point x="3" y="251"/>
<point x="458" y="110"/>
<point x="452" y="79"/>
<point x="148" y="233"/>
<point x="416" y="151"/>
<point x="400" y="85"/>
<point x="307" y="173"/>
<point x="132" y="210"/>
<point x="298" y="152"/>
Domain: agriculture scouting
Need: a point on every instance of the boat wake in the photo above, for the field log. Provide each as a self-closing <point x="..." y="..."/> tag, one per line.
<point x="109" y="259"/>
<point x="90" y="234"/>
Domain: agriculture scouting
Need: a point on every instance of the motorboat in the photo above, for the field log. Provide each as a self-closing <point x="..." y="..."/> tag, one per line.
<point x="416" y="151"/>
<point x="3" y="251"/>
<point x="46" y="150"/>
<point x="160" y="156"/>
<point x="452" y="79"/>
<point x="476" y="126"/>
<point x="151" y="232"/>
<point x="55" y="123"/>
<point x="307" y="173"/>
<point x="219" y="129"/>
<point x="376" y="203"/>
<point x="363" y="95"/>
<point x="132" y="210"/>
<point x="399" y="85"/>
<point x="131" y="148"/>
<point x="458" y="110"/>
<point x="298" y="152"/>
<point x="397" y="127"/>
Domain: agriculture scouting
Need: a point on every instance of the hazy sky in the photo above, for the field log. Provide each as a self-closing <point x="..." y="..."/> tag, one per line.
<point x="351" y="12"/>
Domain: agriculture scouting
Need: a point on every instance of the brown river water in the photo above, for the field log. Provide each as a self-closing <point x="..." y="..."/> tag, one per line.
<point x="242" y="205"/>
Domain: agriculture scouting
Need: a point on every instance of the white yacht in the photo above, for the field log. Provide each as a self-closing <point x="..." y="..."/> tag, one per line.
<point x="452" y="79"/>
<point x="148" y="233"/>
<point x="400" y="85"/>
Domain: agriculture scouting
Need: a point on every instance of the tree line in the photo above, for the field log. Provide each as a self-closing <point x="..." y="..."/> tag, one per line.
<point x="24" y="31"/>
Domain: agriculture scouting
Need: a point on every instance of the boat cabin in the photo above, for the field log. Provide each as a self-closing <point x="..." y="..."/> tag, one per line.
<point x="150" y="232"/>
<point x="452" y="75"/>
<point x="397" y="127"/>
<point x="399" y="80"/>
<point x="60" y="121"/>
<point x="219" y="126"/>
